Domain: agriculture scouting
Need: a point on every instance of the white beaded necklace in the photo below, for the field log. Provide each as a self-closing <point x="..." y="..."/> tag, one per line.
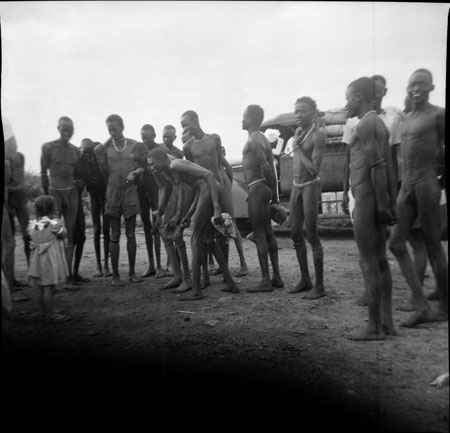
<point x="359" y="120"/>
<point x="115" y="147"/>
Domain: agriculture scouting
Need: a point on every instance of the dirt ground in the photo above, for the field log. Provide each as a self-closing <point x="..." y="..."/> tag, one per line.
<point x="241" y="362"/>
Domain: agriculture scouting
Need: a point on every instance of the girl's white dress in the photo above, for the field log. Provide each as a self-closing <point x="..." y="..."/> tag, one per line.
<point x="48" y="264"/>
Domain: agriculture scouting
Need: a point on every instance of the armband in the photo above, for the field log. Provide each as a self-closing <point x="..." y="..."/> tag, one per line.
<point x="44" y="175"/>
<point x="380" y="161"/>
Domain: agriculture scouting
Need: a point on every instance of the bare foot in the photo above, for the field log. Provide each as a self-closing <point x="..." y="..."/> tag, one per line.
<point x="433" y="296"/>
<point x="99" y="273"/>
<point x="56" y="318"/>
<point x="232" y="289"/>
<point x="216" y="271"/>
<point x="302" y="286"/>
<point x="390" y="329"/>
<point x="150" y="271"/>
<point x="195" y="296"/>
<point x="71" y="285"/>
<point x="185" y="286"/>
<point x="316" y="293"/>
<point x="242" y="272"/>
<point x="133" y="278"/>
<point x="441" y="315"/>
<point x="205" y="281"/>
<point x="366" y="334"/>
<point x="419" y="317"/>
<point x="116" y="281"/>
<point x="277" y="283"/>
<point x="261" y="287"/>
<point x="79" y="279"/>
<point x="18" y="296"/>
<point x="107" y="273"/>
<point x="174" y="282"/>
<point x="161" y="273"/>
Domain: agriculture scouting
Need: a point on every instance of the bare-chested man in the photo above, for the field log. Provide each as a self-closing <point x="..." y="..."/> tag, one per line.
<point x="206" y="151"/>
<point x="419" y="196"/>
<point x="148" y="199"/>
<point x="60" y="157"/>
<point x="374" y="189"/>
<point x="308" y="147"/>
<point x="121" y="197"/>
<point x="259" y="174"/>
<point x="205" y="206"/>
<point x="169" y="135"/>
<point x="173" y="205"/>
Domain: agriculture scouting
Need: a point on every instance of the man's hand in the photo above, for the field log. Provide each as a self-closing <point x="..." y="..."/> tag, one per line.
<point x="156" y="219"/>
<point x="218" y="218"/>
<point x="185" y="221"/>
<point x="45" y="183"/>
<point x="130" y="177"/>
<point x="173" y="222"/>
<point x="345" y="201"/>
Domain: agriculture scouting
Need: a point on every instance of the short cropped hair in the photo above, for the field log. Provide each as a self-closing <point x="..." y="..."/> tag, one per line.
<point x="424" y="71"/>
<point x="88" y="140"/>
<point x="169" y="127"/>
<point x="365" y="86"/>
<point x="158" y="153"/>
<point x="64" y="119"/>
<point x="148" y="127"/>
<point x="44" y="205"/>
<point x="309" y="101"/>
<point x="115" y="118"/>
<point x="379" y="78"/>
<point x="256" y="113"/>
<point x="191" y="114"/>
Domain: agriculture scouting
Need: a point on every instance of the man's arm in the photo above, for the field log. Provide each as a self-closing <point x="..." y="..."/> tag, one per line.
<point x="346" y="183"/>
<point x="45" y="166"/>
<point x="228" y="169"/>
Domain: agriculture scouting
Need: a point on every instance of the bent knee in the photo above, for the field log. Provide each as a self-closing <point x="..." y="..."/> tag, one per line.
<point x="397" y="248"/>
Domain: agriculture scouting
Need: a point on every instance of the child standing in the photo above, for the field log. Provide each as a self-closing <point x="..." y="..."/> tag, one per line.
<point x="48" y="264"/>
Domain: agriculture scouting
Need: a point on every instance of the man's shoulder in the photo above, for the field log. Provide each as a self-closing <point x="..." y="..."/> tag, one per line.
<point x="50" y="144"/>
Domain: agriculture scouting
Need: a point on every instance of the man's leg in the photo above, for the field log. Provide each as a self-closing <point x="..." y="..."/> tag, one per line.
<point x="80" y="229"/>
<point x="296" y="218"/>
<point x="95" y="214"/>
<point x="366" y="234"/>
<point x="311" y="196"/>
<point x="182" y="253"/>
<point x="114" y="249"/>
<point x="258" y="210"/>
<point x="154" y="197"/>
<point x="70" y="213"/>
<point x="130" y="232"/>
<point x="415" y="239"/>
<point x="24" y="219"/>
<point x="145" y="217"/>
<point x="385" y="283"/>
<point x="397" y="244"/>
<point x="428" y="195"/>
<point x="106" y="239"/>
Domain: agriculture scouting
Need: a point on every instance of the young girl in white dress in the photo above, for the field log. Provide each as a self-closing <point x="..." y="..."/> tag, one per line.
<point x="48" y="265"/>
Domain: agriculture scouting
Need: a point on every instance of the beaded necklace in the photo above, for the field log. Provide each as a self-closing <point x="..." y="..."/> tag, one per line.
<point x="115" y="147"/>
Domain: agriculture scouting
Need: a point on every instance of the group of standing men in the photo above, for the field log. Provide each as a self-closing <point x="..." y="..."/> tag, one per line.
<point x="173" y="189"/>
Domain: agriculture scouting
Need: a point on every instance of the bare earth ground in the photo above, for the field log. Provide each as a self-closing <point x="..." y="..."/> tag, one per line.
<point x="243" y="362"/>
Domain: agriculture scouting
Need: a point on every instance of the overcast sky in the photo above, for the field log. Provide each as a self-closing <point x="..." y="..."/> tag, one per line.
<point x="151" y="61"/>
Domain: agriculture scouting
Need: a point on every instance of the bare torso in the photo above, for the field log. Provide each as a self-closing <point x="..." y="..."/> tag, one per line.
<point x="120" y="164"/>
<point x="312" y="147"/>
<point x="60" y="159"/>
<point x="251" y="163"/>
<point x="206" y="153"/>
<point x="421" y="141"/>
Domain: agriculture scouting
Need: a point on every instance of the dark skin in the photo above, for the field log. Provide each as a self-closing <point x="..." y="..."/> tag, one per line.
<point x="373" y="186"/>
<point x="258" y="164"/>
<point x="207" y="196"/>
<point x="95" y="180"/>
<point x="419" y="198"/>
<point x="206" y="150"/>
<point x="120" y="165"/>
<point x="308" y="153"/>
<point x="59" y="158"/>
